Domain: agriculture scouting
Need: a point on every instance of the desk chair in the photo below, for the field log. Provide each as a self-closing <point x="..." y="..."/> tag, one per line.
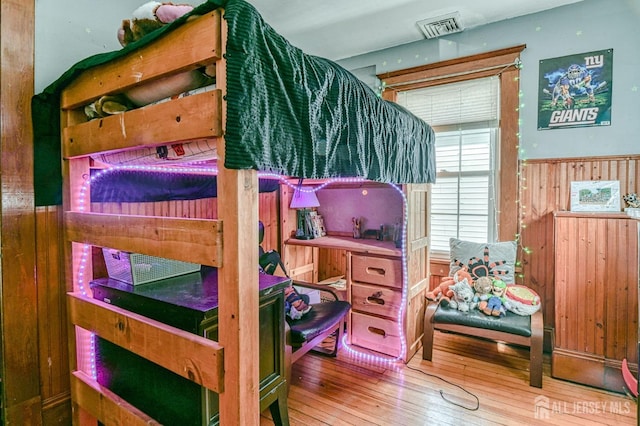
<point x="323" y="320"/>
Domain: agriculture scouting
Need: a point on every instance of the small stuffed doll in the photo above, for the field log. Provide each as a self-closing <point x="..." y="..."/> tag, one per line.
<point x="482" y="287"/>
<point x="149" y="17"/>
<point x="495" y="303"/>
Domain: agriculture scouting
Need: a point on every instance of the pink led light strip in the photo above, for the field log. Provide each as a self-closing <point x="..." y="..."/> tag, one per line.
<point x="354" y="351"/>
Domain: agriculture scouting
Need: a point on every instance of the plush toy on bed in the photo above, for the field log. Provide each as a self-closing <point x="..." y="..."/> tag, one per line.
<point x="145" y="19"/>
<point x="149" y="17"/>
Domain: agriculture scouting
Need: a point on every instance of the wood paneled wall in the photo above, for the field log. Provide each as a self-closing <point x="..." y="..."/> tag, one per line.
<point x="545" y="188"/>
<point x="20" y="387"/>
<point x="52" y="318"/>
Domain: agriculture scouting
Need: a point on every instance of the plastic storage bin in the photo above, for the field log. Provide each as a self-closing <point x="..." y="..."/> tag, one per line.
<point x="135" y="268"/>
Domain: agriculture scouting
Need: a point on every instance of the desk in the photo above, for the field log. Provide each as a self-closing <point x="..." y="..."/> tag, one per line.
<point x="370" y="246"/>
<point x="375" y="289"/>
<point x="188" y="302"/>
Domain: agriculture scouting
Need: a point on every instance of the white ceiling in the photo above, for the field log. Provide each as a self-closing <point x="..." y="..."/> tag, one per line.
<point x="338" y="29"/>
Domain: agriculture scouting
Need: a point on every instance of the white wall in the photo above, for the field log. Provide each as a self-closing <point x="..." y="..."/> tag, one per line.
<point x="582" y="27"/>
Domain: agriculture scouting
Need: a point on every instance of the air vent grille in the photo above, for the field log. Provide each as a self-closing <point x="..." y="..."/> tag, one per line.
<point x="441" y="25"/>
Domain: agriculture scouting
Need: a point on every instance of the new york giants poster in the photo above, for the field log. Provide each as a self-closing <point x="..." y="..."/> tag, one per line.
<point x="575" y="90"/>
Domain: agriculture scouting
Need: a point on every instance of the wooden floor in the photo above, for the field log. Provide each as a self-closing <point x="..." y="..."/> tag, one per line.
<point x="348" y="391"/>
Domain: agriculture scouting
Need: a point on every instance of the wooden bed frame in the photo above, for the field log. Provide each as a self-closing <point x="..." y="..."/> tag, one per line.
<point x="227" y="366"/>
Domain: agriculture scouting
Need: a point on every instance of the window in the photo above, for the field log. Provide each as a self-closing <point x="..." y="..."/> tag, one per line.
<point x="464" y="116"/>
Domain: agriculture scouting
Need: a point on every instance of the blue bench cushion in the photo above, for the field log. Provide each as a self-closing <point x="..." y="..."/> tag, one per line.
<point x="510" y="323"/>
<point x="321" y="317"/>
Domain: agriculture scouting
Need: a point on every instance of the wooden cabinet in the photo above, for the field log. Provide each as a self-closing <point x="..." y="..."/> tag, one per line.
<point x="385" y="283"/>
<point x="596" y="297"/>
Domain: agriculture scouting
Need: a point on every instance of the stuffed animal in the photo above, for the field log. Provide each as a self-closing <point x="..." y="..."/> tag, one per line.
<point x="149" y="17"/>
<point x="443" y="290"/>
<point x="482" y="287"/>
<point x="294" y="305"/>
<point x="495" y="303"/>
<point x="145" y="19"/>
<point x="462" y="296"/>
<point x="632" y="200"/>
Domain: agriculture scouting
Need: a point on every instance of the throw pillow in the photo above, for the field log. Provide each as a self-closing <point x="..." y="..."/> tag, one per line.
<point x="495" y="260"/>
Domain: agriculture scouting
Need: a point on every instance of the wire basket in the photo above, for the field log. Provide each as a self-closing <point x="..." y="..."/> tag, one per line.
<point x="135" y="268"/>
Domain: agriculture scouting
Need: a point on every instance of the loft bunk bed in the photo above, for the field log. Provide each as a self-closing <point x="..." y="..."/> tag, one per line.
<point x="272" y="108"/>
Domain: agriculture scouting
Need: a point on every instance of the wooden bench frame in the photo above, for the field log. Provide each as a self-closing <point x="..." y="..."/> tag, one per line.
<point x="534" y="342"/>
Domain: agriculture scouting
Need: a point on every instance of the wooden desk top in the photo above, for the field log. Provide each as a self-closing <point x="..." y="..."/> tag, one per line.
<point x="368" y="246"/>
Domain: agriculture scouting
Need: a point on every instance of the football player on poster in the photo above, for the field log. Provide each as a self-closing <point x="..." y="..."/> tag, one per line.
<point x="575" y="90"/>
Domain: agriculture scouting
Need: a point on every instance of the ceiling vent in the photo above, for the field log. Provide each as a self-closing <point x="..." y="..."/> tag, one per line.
<point x="441" y="25"/>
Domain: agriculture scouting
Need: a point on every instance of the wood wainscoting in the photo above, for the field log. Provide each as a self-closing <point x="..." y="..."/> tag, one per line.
<point x="545" y="188"/>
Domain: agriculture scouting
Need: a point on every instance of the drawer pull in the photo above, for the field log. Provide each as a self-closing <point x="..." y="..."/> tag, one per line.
<point x="376" y="298"/>
<point x="375" y="271"/>
<point x="378" y="331"/>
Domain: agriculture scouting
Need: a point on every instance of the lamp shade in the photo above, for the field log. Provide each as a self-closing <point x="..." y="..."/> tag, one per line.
<point x="304" y="199"/>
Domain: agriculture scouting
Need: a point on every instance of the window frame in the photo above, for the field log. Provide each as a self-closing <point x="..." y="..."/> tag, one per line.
<point x="505" y="64"/>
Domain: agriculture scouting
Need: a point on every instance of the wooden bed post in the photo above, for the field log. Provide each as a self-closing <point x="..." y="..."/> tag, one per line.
<point x="238" y="282"/>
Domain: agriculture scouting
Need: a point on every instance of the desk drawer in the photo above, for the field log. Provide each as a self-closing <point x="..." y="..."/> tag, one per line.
<point x="376" y="299"/>
<point x="376" y="270"/>
<point x="378" y="334"/>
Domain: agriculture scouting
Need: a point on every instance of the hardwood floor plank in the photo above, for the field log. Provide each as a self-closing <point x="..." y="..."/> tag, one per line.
<point x="348" y="391"/>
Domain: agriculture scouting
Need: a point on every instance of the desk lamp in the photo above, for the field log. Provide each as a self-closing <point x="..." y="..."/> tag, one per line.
<point x="302" y="200"/>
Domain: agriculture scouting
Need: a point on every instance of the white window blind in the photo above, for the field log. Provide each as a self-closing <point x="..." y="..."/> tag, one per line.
<point x="465" y="118"/>
<point x="455" y="103"/>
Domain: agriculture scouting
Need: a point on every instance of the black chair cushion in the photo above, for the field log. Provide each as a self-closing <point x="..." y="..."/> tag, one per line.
<point x="510" y="323"/>
<point x="321" y="317"/>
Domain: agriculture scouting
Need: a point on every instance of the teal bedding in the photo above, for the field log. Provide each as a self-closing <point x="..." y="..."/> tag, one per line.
<point x="287" y="112"/>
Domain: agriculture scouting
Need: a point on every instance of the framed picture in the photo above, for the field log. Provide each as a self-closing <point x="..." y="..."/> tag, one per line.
<point x="595" y="196"/>
<point x="575" y="90"/>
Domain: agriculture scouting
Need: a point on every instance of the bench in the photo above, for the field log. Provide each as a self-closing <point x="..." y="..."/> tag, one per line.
<point x="512" y="328"/>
